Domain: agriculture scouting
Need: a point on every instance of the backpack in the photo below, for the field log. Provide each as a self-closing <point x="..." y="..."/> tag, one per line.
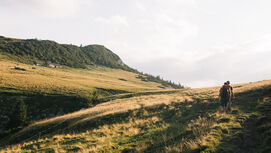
<point x="225" y="92"/>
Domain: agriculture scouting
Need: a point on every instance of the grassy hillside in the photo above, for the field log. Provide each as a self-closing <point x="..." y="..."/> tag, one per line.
<point x="33" y="50"/>
<point x="181" y="121"/>
<point x="50" y="92"/>
<point x="69" y="80"/>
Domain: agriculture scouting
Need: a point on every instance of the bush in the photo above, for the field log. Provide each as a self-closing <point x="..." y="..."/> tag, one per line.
<point x="94" y="98"/>
<point x="18" y="115"/>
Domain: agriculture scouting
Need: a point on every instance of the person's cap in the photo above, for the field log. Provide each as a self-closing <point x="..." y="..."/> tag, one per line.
<point x="228" y="82"/>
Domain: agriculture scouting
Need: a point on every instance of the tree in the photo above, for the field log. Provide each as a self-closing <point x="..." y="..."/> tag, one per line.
<point x="18" y="116"/>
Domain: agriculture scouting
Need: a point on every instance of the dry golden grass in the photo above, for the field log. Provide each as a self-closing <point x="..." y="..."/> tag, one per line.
<point x="106" y="135"/>
<point x="112" y="107"/>
<point x="68" y="80"/>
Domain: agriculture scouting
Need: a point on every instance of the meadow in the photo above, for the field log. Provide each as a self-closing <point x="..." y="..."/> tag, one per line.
<point x="185" y="120"/>
<point x="68" y="80"/>
<point x="49" y="92"/>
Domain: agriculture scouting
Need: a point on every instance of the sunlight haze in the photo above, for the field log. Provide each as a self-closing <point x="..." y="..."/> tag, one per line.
<point x="198" y="43"/>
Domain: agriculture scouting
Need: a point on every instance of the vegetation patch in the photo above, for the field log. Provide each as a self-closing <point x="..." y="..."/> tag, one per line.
<point x="19" y="68"/>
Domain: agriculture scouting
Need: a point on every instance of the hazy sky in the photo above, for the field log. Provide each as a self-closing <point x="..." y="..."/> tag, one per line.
<point x="198" y="43"/>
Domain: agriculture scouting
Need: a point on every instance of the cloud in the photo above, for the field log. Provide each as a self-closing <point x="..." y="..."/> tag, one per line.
<point x="244" y="62"/>
<point x="154" y="34"/>
<point x="113" y="20"/>
<point x="46" y="7"/>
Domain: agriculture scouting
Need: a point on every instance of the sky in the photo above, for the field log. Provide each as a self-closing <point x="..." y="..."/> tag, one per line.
<point x="198" y="43"/>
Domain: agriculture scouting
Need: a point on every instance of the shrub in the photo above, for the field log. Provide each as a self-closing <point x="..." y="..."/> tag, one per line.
<point x="18" y="115"/>
<point x="95" y="97"/>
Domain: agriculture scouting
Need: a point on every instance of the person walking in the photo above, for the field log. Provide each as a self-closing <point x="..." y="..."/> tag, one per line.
<point x="230" y="96"/>
<point x="224" y="96"/>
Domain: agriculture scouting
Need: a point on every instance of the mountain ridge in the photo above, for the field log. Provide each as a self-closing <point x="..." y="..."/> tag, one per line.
<point x="31" y="50"/>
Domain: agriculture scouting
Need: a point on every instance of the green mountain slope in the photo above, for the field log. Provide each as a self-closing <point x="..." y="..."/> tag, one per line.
<point x="31" y="50"/>
<point x="102" y="56"/>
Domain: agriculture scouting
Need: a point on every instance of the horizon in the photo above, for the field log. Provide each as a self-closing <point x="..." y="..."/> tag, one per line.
<point x="183" y="41"/>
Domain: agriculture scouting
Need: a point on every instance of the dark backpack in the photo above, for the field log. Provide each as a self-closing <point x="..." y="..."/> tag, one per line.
<point x="225" y="92"/>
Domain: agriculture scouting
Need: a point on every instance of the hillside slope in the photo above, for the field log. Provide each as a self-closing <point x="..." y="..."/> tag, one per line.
<point x="183" y="121"/>
<point x="50" y="53"/>
<point x="49" y="92"/>
<point x="33" y="50"/>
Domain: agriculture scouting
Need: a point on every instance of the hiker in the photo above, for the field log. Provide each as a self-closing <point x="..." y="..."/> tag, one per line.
<point x="225" y="96"/>
<point x="230" y="96"/>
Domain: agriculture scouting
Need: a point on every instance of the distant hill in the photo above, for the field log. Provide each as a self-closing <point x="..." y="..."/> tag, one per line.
<point x="32" y="50"/>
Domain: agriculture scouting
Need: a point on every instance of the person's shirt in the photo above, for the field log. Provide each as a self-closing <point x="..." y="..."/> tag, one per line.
<point x="225" y="86"/>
